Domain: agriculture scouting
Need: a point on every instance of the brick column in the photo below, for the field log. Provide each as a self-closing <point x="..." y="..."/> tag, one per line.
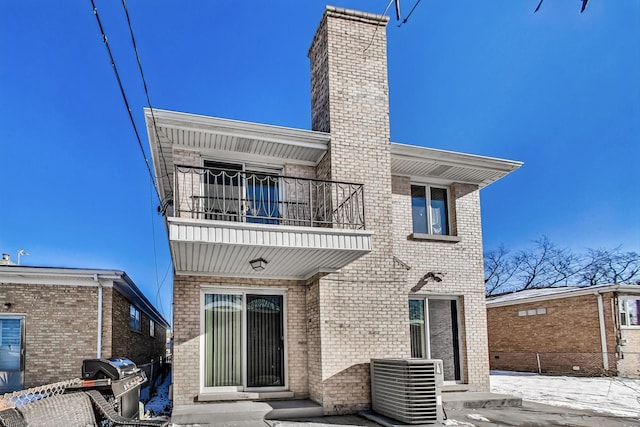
<point x="362" y="311"/>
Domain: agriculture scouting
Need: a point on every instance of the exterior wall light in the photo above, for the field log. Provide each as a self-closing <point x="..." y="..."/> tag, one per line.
<point x="258" y="264"/>
<point x="7" y="305"/>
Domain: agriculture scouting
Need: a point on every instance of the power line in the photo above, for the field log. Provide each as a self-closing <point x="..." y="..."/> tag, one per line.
<point x="376" y="30"/>
<point x="404" y="21"/>
<point x="124" y="96"/>
<point x="146" y="91"/>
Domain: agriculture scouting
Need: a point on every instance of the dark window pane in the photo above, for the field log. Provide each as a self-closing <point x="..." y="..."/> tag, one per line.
<point x="419" y="209"/>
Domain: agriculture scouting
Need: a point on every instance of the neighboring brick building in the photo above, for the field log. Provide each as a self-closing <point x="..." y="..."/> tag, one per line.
<point x="282" y="289"/>
<point x="570" y="330"/>
<point x="50" y="322"/>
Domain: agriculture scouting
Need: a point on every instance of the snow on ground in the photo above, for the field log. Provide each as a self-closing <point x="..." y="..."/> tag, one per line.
<point x="159" y="405"/>
<point x="608" y="395"/>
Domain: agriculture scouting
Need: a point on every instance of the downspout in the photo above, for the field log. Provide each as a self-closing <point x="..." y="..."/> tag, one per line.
<point x="603" y="334"/>
<point x="99" y="338"/>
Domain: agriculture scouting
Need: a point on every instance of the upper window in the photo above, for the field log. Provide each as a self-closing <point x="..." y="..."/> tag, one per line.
<point x="629" y="309"/>
<point x="429" y="210"/>
<point x="134" y="318"/>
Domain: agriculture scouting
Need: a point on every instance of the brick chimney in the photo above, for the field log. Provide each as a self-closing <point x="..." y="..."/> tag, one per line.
<point x="349" y="97"/>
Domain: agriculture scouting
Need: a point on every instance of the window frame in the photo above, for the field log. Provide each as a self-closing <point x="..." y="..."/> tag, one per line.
<point x="448" y="211"/>
<point x="623" y="311"/>
<point x="135" y="317"/>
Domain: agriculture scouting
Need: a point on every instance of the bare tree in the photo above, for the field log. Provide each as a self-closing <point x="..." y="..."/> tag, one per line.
<point x="545" y="265"/>
<point x="499" y="268"/>
<point x="603" y="266"/>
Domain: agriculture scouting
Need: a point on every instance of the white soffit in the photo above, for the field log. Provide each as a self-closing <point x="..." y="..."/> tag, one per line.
<point x="448" y="166"/>
<point x="217" y="137"/>
<point x="225" y="248"/>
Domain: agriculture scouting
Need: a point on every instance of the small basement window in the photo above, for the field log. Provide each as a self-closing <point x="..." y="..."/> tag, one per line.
<point x="532" y="312"/>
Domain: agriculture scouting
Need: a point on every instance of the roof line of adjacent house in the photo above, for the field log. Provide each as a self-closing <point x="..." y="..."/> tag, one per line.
<point x="516" y="298"/>
<point x="121" y="280"/>
<point x="453" y="158"/>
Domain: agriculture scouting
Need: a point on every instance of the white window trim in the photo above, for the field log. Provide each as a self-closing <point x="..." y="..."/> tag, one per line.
<point x="244" y="291"/>
<point x="429" y="235"/>
<point x="623" y="300"/>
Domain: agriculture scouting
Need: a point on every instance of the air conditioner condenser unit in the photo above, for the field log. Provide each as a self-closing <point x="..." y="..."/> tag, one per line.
<point x="407" y="390"/>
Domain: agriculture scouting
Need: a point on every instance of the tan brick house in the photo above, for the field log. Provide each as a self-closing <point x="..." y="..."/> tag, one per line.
<point x="51" y="319"/>
<point x="299" y="255"/>
<point x="569" y="330"/>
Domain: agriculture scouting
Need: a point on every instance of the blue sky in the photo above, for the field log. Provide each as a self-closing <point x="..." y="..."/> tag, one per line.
<point x="557" y="89"/>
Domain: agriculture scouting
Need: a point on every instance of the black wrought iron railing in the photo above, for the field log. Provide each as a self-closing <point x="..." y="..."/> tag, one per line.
<point x="254" y="197"/>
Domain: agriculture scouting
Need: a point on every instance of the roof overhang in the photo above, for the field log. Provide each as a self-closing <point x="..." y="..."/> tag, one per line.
<point x="568" y="292"/>
<point x="222" y="248"/>
<point x="446" y="167"/>
<point x="224" y="138"/>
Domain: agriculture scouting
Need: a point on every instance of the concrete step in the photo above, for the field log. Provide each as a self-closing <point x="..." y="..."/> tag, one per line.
<point x="475" y="400"/>
<point x="219" y="413"/>
<point x="243" y="412"/>
<point x="292" y="409"/>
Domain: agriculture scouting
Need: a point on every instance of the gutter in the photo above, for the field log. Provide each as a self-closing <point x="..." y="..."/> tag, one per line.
<point x="99" y="337"/>
<point x="603" y="333"/>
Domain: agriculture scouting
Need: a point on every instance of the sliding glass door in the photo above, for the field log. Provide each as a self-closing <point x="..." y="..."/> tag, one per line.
<point x="244" y="341"/>
<point x="434" y="332"/>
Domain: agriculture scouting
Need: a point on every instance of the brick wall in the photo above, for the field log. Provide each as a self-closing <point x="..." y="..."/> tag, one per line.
<point x="60" y="328"/>
<point x="187" y="331"/>
<point x="461" y="265"/>
<point x="140" y="347"/>
<point x="567" y="335"/>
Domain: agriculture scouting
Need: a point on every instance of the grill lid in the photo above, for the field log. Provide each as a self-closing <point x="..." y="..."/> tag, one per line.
<point x="115" y="368"/>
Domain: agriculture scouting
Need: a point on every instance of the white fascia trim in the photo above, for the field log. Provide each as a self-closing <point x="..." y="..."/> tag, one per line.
<point x="633" y="290"/>
<point x="268" y="227"/>
<point x="452" y="158"/>
<point x="55" y="276"/>
<point x="279" y="134"/>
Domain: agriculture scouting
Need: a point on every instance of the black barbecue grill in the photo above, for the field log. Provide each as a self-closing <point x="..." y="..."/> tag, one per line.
<point x="118" y="379"/>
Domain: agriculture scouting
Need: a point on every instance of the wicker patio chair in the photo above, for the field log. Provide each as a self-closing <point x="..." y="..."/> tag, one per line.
<point x="70" y="410"/>
<point x="105" y="411"/>
<point x="10" y="417"/>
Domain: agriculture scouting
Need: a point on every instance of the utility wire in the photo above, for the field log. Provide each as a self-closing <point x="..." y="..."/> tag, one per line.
<point x="164" y="161"/>
<point x="404" y="21"/>
<point x="146" y="91"/>
<point x="376" y="30"/>
<point x="124" y="96"/>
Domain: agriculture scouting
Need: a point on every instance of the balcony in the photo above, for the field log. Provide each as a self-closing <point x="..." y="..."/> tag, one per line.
<point x="225" y="218"/>
<point x="259" y="198"/>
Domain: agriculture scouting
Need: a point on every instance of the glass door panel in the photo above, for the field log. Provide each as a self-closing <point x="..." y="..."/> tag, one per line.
<point x="265" y="341"/>
<point x="417" y="328"/>
<point x="11" y="354"/>
<point x="263" y="199"/>
<point x="222" y="191"/>
<point x="223" y="340"/>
